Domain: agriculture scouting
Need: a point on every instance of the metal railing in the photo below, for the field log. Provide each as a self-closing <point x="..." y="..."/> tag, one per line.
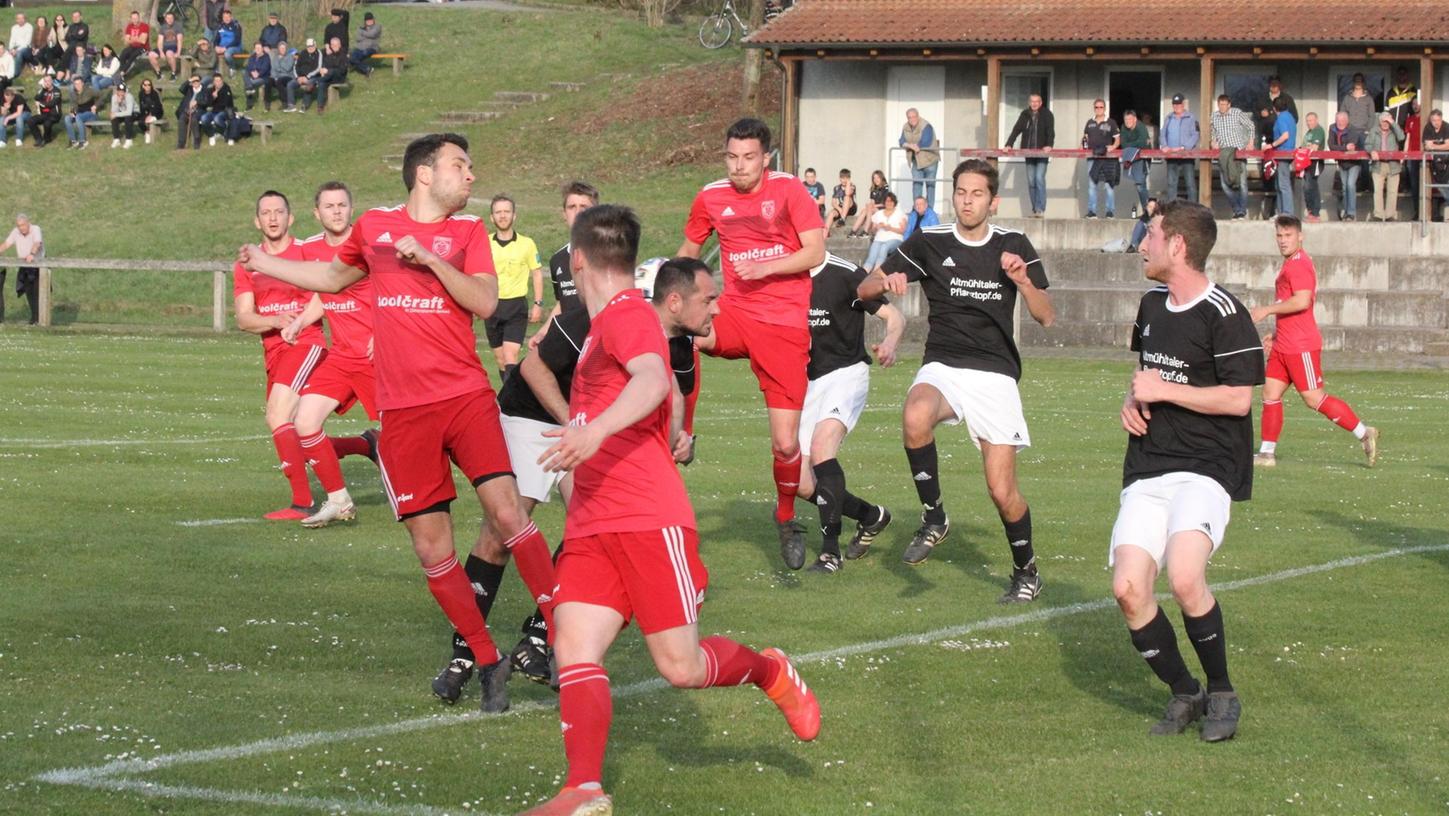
<point x="218" y="270"/>
<point x="907" y="194"/>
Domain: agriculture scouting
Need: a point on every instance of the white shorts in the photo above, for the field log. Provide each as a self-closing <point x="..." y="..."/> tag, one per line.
<point x="989" y="403"/>
<point x="839" y="395"/>
<point x="1153" y="510"/>
<point x="526" y="443"/>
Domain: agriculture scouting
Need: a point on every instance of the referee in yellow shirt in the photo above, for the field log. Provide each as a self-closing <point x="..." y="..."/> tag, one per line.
<point x="515" y="257"/>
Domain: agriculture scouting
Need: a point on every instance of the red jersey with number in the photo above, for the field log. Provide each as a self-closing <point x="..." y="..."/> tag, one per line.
<point x="631" y="484"/>
<point x="1297" y="332"/>
<point x="759" y="226"/>
<point x="424" y="348"/>
<point x="349" y="312"/>
<point x="274" y="297"/>
<point x="138" y="34"/>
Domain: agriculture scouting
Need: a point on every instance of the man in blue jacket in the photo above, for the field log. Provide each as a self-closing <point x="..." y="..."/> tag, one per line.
<point x="228" y="41"/>
<point x="921" y="216"/>
<point x="1180" y="133"/>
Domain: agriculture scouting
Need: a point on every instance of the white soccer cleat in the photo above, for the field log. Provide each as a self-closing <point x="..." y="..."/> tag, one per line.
<point x="329" y="512"/>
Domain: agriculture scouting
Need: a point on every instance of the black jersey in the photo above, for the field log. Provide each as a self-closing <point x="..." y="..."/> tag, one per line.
<point x="559" y="351"/>
<point x="565" y="293"/>
<point x="1210" y="341"/>
<point x="972" y="300"/>
<point x="837" y="317"/>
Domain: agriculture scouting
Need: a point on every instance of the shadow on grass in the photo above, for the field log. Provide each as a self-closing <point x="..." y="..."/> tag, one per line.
<point x="1379" y="534"/>
<point x="1098" y="659"/>
<point x="698" y="742"/>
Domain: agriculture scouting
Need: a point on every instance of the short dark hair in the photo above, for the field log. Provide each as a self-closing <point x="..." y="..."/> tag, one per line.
<point x="749" y="128"/>
<point x="1225" y="98"/>
<point x="810" y="169"/>
<point x="845" y="172"/>
<point x="423" y="151"/>
<point x="273" y="194"/>
<point x="889" y="196"/>
<point x="678" y="275"/>
<point x="980" y="167"/>
<point x="1129" y="112"/>
<point x="1280" y="104"/>
<point x="1286" y="221"/>
<point x="581" y="188"/>
<point x="327" y="187"/>
<point x="502" y="197"/>
<point x="1196" y="225"/>
<point x="1275" y="80"/>
<point x="609" y="235"/>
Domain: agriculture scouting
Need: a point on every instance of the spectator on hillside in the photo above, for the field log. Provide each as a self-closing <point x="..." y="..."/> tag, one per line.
<point x="60" y="46"/>
<point x="1099" y="136"/>
<point x="1179" y="134"/>
<point x="50" y="53"/>
<point x="815" y="189"/>
<point x="203" y="59"/>
<point x="284" y="70"/>
<point x="29" y="248"/>
<point x="920" y="217"/>
<point x="842" y="201"/>
<point x="21" y="35"/>
<point x="1400" y="98"/>
<point x="1037" y="128"/>
<point x="1343" y="136"/>
<point x="169" y="41"/>
<point x="273" y="34"/>
<point x="211" y="18"/>
<point x="1275" y="92"/>
<point x="46" y="114"/>
<point x="333" y="71"/>
<point x="888" y="225"/>
<point x="84" y="104"/>
<point x="1359" y="104"/>
<point x="39" y="39"/>
<point x="1285" y="138"/>
<point x="369" y="42"/>
<point x="924" y="152"/>
<point x="1387" y="137"/>
<point x="1315" y="140"/>
<point x="1436" y="141"/>
<point x="257" y="77"/>
<point x="228" y="41"/>
<point x="309" y="66"/>
<point x="13" y="113"/>
<point x="189" y="113"/>
<point x="123" y="116"/>
<point x="7" y="68"/>
<point x="1135" y="138"/>
<point x="77" y="33"/>
<point x="1232" y="129"/>
<point x="337" y="28"/>
<point x="148" y="108"/>
<point x="878" y="189"/>
<point x="138" y="42"/>
<point x="106" y="71"/>
<point x="220" y="107"/>
<point x="78" y="66"/>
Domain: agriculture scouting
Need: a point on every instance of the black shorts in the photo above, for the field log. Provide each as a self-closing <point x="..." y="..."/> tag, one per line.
<point x="508" y="323"/>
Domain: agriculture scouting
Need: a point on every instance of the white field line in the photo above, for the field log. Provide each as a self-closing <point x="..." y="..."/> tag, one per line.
<point x="217" y="522"/>
<point x="114" y="775"/>
<point x="110" y="443"/>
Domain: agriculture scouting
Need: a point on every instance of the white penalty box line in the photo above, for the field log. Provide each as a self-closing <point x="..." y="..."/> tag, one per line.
<point x="120" y="775"/>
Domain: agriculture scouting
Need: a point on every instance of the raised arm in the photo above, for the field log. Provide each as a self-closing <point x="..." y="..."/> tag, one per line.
<point x="476" y="293"/>
<point x="315" y="276"/>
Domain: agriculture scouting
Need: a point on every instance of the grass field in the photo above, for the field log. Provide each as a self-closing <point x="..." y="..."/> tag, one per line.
<point x="260" y="668"/>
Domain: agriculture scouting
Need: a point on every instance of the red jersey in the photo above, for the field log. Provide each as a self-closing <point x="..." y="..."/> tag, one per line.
<point x="274" y="297"/>
<point x="1297" y="332"/>
<point x="759" y="226"/>
<point x="631" y="484"/>
<point x="137" y="34"/>
<point x="425" y="350"/>
<point x="349" y="312"/>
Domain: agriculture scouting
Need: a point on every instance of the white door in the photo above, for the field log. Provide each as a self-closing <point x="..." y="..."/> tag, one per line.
<point x="922" y="87"/>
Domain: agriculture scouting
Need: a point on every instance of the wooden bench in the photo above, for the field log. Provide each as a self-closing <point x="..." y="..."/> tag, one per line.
<point x="263" y="128"/>
<point x="334" y="92"/>
<point x="397" y="61"/>
<point x="154" y="128"/>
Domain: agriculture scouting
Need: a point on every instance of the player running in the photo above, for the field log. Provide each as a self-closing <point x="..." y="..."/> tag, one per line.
<point x="1295" y="347"/>
<point x="971" y="272"/>
<point x="839" y="384"/>
<point x="1188" y="414"/>
<point x="345" y="376"/>
<point x="431" y="272"/>
<point x="630" y="546"/>
<point x="770" y="237"/>
<point x="292" y="343"/>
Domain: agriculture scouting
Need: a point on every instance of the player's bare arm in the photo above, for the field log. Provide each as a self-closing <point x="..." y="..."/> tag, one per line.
<point x="315" y="276"/>
<point x="476" y="293"/>
<point x="878" y="283"/>
<point x="1135" y="415"/>
<point x="810" y="255"/>
<point x="305" y="318"/>
<point x="544" y="385"/>
<point x="535" y="312"/>
<point x="1038" y="302"/>
<point x="1301" y="300"/>
<point x="895" y="329"/>
<point x="1224" y="400"/>
<point x="689" y="249"/>
<point x="649" y="384"/>
<point x="248" y="320"/>
<point x="683" y="442"/>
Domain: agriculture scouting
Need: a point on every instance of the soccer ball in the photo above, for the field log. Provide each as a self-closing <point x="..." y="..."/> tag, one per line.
<point x="644" y="275"/>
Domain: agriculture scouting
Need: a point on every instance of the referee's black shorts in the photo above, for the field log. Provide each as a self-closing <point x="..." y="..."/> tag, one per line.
<point x="508" y="323"/>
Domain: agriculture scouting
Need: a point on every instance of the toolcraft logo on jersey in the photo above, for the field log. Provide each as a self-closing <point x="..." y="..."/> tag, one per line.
<point x="757" y="254"/>
<point x="341" y="306"/>
<point x="280" y="308"/>
<point x="429" y="305"/>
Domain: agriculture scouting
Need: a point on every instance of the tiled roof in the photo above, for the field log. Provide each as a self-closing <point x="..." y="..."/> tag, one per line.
<point x="861" y="23"/>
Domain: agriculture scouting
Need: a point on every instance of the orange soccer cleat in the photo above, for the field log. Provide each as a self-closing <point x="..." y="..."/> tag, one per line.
<point x="291" y="513"/>
<point x="574" y="802"/>
<point x="795" y="700"/>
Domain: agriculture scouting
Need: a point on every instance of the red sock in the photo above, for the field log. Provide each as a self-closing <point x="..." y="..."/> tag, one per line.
<point x="323" y="461"/>
<point x="289" y="453"/>
<point x="787" y="484"/>
<point x="585" y="711"/>
<point x="449" y="585"/>
<point x="1338" y="411"/>
<point x="1272" y="420"/>
<point x="535" y="566"/>
<point x="730" y="664"/>
<point x="349" y="446"/>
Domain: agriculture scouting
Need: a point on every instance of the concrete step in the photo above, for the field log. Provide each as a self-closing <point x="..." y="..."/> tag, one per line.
<point x="1255" y="271"/>
<point x="1352" y="339"/>
<point x="469" y="117"/>
<point x="1397" y="240"/>
<point x="566" y="86"/>
<point x="1117" y="302"/>
<point x="520" y="96"/>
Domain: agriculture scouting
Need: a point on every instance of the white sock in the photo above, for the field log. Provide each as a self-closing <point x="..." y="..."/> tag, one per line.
<point x="1358" y="432"/>
<point x="1268" y="447"/>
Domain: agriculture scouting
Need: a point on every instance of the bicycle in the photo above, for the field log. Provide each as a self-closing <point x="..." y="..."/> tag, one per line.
<point x="718" y="28"/>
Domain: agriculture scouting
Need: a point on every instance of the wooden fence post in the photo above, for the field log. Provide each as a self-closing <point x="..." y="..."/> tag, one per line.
<point x="44" y="304"/>
<point x="218" y="301"/>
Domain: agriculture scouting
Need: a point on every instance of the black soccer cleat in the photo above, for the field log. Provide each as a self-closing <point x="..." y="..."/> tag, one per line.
<point x="826" y="563"/>
<point x="449" y="683"/>
<point x="865" y="535"/>
<point x="494" y="680"/>
<point x="530" y="657"/>
<point x="371" y="435"/>
<point x="792" y="543"/>
<point x="1025" y="586"/>
<point x="925" y="540"/>
<point x="1182" y="710"/>
<point x="1223" y="712"/>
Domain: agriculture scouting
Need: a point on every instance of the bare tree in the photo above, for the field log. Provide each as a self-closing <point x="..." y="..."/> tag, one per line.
<point x="655" y="11"/>
<point x="754" y="58"/>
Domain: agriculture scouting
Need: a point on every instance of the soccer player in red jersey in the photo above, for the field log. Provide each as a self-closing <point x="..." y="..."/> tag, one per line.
<point x="770" y="237"/>
<point x="432" y="272"/>
<point x="345" y="378"/>
<point x="286" y="319"/>
<point x="630" y="547"/>
<point x="1295" y="346"/>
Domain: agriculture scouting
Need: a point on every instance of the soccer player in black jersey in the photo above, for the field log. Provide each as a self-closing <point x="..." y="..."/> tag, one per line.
<point x="971" y="272"/>
<point x="577" y="197"/>
<point x="684" y="294"/>
<point x="839" y="373"/>
<point x="1188" y="414"/>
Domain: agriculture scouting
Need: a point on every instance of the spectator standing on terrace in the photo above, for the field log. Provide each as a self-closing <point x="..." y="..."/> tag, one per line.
<point x="1388" y="137"/>
<point x="83" y="104"/>
<point x="21" y="35"/>
<point x="138" y="42"/>
<point x="1276" y="92"/>
<point x="1400" y="98"/>
<point x="258" y="77"/>
<point x="29" y="248"/>
<point x="148" y="108"/>
<point x="1285" y="135"/>
<point x="815" y="189"/>
<point x="337" y="28"/>
<point x="924" y="153"/>
<point x="1435" y="140"/>
<point x="369" y="42"/>
<point x="1413" y="130"/>
<point x="1343" y="136"/>
<point x="123" y="116"/>
<point x="1359" y="104"/>
<point x="273" y="34"/>
<point x="1180" y="134"/>
<point x="1315" y="140"/>
<point x="1037" y="128"/>
<point x="189" y="113"/>
<point x="228" y="40"/>
<point x="1232" y="129"/>
<point x="1099" y="136"/>
<point x="169" y="41"/>
<point x="1136" y="137"/>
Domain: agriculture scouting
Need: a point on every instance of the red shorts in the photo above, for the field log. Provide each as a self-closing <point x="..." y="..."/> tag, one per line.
<point x="778" y="355"/>
<point x="1302" y="368"/>
<point x="292" y="365"/>
<point x="349" y="380"/>
<point x="417" y="442"/>
<point x="655" y="575"/>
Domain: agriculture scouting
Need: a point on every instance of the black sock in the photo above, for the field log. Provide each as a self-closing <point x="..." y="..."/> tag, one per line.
<point x="829" y="493"/>
<point x="1018" y="535"/>
<point x="928" y="481"/>
<point x="1157" y="643"/>
<point x="854" y="507"/>
<point x="1208" y="640"/>
<point x="485" y="578"/>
